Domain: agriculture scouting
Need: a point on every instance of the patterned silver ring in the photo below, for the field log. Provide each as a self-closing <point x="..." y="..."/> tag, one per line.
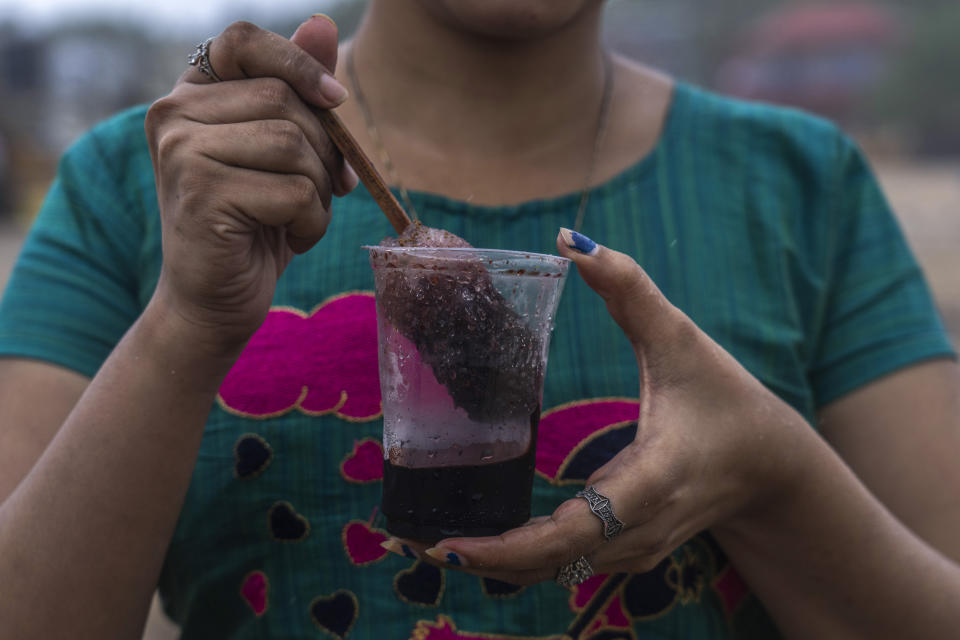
<point x="574" y="573"/>
<point x="601" y="507"/>
<point x="201" y="60"/>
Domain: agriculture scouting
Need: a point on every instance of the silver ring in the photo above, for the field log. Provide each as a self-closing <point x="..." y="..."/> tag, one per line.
<point x="201" y="60"/>
<point x="601" y="507"/>
<point x="574" y="573"/>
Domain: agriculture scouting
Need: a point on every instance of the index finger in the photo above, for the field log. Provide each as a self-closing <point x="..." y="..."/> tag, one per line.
<point x="543" y="545"/>
<point x="244" y="50"/>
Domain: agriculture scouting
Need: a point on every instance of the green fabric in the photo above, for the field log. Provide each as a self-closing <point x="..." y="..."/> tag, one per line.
<point x="763" y="224"/>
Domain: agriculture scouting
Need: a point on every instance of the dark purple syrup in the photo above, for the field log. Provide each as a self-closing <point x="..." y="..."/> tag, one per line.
<point x="431" y="503"/>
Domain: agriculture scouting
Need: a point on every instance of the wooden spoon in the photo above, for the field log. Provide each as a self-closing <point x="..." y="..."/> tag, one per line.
<point x="367" y="173"/>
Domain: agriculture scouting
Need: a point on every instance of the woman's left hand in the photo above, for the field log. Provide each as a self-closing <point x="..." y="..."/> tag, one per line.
<point x="712" y="443"/>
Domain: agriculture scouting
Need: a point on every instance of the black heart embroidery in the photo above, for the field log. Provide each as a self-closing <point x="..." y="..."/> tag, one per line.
<point x="500" y="589"/>
<point x="612" y="634"/>
<point x="597" y="452"/>
<point x="252" y="455"/>
<point x="335" y="613"/>
<point x="421" y="584"/>
<point x="286" y="525"/>
<point x="649" y="594"/>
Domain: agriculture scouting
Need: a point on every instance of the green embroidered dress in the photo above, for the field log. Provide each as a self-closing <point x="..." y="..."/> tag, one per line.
<point x="764" y="225"/>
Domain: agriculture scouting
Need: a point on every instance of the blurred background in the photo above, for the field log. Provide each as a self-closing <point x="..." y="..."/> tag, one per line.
<point x="887" y="70"/>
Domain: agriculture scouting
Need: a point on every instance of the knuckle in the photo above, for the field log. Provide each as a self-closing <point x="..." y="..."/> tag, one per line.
<point x="290" y="61"/>
<point x="566" y="549"/>
<point x="301" y="192"/>
<point x="159" y="115"/>
<point x="162" y="109"/>
<point x="239" y="32"/>
<point x="284" y="135"/>
<point x="296" y="64"/>
<point x="567" y="510"/>
<point x="574" y="537"/>
<point x="169" y="143"/>
<point x="274" y="94"/>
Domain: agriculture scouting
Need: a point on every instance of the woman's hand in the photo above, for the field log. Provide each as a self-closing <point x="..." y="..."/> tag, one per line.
<point x="244" y="175"/>
<point x="712" y="443"/>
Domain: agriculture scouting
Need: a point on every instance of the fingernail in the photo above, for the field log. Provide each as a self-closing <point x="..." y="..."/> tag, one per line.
<point x="350" y="178"/>
<point x="325" y="17"/>
<point x="578" y="241"/>
<point x="395" y="546"/>
<point x="332" y="90"/>
<point x="447" y="557"/>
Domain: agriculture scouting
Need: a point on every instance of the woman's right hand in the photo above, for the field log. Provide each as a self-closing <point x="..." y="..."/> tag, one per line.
<point x="244" y="175"/>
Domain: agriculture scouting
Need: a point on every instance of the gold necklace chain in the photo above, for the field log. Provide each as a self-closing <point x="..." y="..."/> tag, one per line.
<point x="603" y="116"/>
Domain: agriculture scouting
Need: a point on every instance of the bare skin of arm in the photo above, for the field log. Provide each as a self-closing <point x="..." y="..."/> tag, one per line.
<point x="94" y="475"/>
<point x="871" y="555"/>
<point x="901" y="436"/>
<point x="87" y="528"/>
<point x="877" y="552"/>
<point x="37" y="397"/>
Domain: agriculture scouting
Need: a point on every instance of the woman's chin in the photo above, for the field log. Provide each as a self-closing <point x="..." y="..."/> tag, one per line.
<point x="508" y="19"/>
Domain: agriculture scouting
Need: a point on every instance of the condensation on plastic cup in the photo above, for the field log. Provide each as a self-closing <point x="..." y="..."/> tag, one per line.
<point x="463" y="337"/>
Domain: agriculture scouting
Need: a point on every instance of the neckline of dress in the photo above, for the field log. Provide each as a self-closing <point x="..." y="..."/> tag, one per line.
<point x="426" y="200"/>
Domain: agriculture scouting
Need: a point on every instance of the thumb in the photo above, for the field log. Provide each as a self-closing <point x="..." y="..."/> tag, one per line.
<point x="632" y="298"/>
<point x="318" y="37"/>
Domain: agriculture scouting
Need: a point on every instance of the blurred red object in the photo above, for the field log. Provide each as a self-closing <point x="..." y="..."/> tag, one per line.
<point x="815" y="26"/>
<point x="821" y="57"/>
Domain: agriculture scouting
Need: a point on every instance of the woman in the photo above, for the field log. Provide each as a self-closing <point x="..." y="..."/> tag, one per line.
<point x="227" y="446"/>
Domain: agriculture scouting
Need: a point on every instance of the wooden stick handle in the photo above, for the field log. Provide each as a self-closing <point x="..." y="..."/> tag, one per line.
<point x="365" y="170"/>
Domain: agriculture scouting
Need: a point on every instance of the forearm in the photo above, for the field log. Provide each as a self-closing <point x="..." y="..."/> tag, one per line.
<point x="86" y="531"/>
<point x="829" y="561"/>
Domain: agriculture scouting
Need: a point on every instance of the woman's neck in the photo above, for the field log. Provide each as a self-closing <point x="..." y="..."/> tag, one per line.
<point x="436" y="82"/>
<point x="496" y="121"/>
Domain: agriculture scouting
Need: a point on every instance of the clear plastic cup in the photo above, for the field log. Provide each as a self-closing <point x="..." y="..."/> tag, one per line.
<point x="463" y="338"/>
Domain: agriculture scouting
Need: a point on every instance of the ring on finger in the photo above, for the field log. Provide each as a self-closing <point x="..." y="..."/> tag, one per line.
<point x="574" y="573"/>
<point x="601" y="507"/>
<point x="201" y="60"/>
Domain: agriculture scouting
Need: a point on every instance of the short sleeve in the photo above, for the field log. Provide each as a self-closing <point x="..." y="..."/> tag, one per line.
<point x="73" y="291"/>
<point x="879" y="313"/>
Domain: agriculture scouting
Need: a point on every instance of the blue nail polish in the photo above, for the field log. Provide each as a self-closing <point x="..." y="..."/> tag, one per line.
<point x="583" y="244"/>
<point x="453" y="559"/>
<point x="407" y="551"/>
